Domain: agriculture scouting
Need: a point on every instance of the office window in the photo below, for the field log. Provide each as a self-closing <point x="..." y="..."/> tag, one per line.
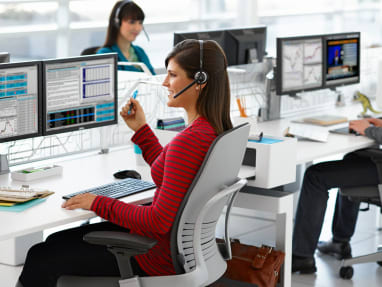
<point x="20" y="14"/>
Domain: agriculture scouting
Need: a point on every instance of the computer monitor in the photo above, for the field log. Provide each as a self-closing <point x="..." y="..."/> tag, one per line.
<point x="216" y="35"/>
<point x="342" y="56"/>
<point x="317" y="62"/>
<point x="245" y="45"/>
<point x="299" y="64"/>
<point x="20" y="100"/>
<point x="4" y="57"/>
<point x="241" y="46"/>
<point x="79" y="93"/>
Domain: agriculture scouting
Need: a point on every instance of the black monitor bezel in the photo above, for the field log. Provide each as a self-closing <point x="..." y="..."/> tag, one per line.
<point x="324" y="85"/>
<point x="39" y="99"/>
<point x="45" y="132"/>
<point x="332" y="85"/>
<point x="229" y="35"/>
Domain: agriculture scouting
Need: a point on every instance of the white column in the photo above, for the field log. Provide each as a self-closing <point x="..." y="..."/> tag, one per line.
<point x="247" y="13"/>
<point x="63" y="29"/>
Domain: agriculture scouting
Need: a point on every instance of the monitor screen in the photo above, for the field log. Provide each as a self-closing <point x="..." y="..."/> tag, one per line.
<point x="4" y="57"/>
<point x="299" y="64"/>
<point x="80" y="93"/>
<point x="20" y="100"/>
<point x="342" y="59"/>
<point x="245" y="45"/>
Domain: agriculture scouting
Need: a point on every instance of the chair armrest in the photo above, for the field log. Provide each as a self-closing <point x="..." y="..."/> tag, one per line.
<point x="120" y="239"/>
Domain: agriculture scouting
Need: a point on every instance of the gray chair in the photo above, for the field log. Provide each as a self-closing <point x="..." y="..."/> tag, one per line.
<point x="197" y="259"/>
<point x="369" y="195"/>
<point x="90" y="51"/>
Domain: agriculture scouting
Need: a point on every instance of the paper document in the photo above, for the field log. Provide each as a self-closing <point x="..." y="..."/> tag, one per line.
<point x="312" y="132"/>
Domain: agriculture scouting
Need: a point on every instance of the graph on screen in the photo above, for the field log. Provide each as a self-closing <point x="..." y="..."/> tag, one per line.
<point x="302" y="64"/>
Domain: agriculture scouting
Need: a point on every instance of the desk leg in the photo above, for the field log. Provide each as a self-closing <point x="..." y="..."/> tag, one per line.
<point x="284" y="223"/>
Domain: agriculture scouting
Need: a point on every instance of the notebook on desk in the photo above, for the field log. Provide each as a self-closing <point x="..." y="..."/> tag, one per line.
<point x="324" y="120"/>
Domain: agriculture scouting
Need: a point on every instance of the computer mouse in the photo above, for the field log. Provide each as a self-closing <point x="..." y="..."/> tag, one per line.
<point x="127" y="174"/>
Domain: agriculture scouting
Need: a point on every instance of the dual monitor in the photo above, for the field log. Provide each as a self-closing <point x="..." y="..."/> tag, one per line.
<point x="317" y="62"/>
<point x="241" y="46"/>
<point x="55" y="96"/>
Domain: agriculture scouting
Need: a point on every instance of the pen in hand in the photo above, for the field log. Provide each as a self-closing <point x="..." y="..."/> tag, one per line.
<point x="131" y="105"/>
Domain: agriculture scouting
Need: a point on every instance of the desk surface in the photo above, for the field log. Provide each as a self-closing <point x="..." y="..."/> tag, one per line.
<point x="93" y="169"/>
<point x="308" y="150"/>
<point x="88" y="170"/>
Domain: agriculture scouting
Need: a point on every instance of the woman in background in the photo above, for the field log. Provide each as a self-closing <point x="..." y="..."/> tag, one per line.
<point x="125" y="24"/>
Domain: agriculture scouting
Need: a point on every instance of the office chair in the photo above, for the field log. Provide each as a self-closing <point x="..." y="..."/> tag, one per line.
<point x="90" y="51"/>
<point x="370" y="195"/>
<point x="197" y="259"/>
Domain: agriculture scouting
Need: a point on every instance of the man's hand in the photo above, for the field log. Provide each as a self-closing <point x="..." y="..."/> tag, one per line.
<point x="359" y="126"/>
<point x="83" y="201"/>
<point x="375" y="122"/>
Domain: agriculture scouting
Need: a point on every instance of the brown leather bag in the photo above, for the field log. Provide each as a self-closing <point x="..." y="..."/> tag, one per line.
<point x="255" y="265"/>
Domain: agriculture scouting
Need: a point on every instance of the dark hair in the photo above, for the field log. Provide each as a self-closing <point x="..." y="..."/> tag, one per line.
<point x="214" y="100"/>
<point x="130" y="11"/>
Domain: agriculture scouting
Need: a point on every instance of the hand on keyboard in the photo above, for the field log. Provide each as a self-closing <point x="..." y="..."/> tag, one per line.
<point x="84" y="201"/>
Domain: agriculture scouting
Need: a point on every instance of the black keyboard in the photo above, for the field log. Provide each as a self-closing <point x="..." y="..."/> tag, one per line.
<point x="117" y="189"/>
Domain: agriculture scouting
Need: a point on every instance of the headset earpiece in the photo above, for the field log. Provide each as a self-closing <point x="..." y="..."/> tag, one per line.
<point x="117" y="21"/>
<point x="201" y="76"/>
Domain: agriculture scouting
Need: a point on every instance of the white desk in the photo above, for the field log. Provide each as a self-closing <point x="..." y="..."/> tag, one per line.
<point x="88" y="170"/>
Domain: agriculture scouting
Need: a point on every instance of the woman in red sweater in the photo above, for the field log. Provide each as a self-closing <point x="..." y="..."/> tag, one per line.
<point x="200" y="66"/>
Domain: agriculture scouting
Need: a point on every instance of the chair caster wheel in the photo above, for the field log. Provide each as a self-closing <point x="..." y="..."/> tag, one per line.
<point x="346" y="272"/>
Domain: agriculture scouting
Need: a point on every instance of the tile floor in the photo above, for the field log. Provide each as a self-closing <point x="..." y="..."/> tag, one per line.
<point x="250" y="229"/>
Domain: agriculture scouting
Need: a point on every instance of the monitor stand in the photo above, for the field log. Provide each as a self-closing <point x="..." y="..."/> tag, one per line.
<point x="340" y="102"/>
<point x="4" y="166"/>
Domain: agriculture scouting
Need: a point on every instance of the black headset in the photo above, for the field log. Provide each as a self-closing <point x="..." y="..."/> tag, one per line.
<point x="200" y="76"/>
<point x="117" y="20"/>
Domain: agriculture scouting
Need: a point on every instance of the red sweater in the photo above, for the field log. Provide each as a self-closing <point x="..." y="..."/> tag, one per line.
<point x="173" y="169"/>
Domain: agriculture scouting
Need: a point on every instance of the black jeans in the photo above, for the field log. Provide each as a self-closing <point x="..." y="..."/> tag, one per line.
<point x="354" y="170"/>
<point x="65" y="253"/>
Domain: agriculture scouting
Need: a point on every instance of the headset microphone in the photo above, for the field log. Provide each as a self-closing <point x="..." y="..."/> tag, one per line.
<point x="185" y="89"/>
<point x="200" y="76"/>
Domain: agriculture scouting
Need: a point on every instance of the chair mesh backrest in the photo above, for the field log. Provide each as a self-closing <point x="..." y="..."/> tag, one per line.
<point x="220" y="167"/>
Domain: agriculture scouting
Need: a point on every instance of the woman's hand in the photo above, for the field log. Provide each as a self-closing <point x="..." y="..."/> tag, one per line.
<point x="136" y="119"/>
<point x="83" y="201"/>
<point x="359" y="126"/>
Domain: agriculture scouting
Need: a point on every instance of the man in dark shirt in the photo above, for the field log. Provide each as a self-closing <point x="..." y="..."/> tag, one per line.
<point x="355" y="169"/>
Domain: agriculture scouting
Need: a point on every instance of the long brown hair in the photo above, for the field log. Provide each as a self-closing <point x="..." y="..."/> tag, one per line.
<point x="130" y="11"/>
<point x="214" y="100"/>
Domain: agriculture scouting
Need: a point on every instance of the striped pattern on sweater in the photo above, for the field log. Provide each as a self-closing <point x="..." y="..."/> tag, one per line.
<point x="173" y="169"/>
